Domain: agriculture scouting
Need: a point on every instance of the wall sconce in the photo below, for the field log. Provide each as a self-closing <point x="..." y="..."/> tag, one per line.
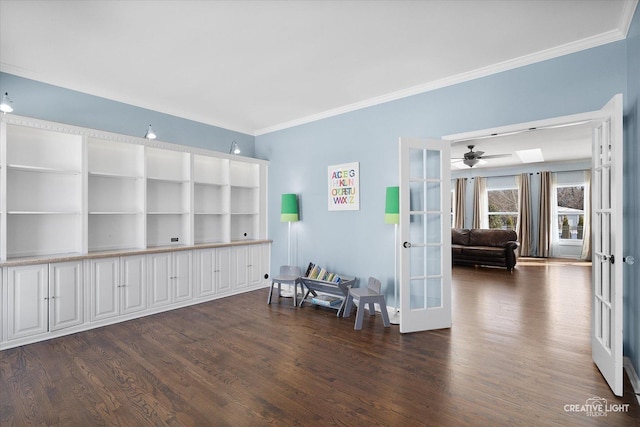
<point x="235" y="148"/>
<point x="150" y="134"/>
<point x="5" y="104"/>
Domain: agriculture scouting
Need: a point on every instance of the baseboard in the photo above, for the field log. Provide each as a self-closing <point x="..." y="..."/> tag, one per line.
<point x="633" y="377"/>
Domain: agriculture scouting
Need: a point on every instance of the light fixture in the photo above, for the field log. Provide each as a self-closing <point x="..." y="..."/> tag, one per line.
<point x="235" y="148"/>
<point x="289" y="213"/>
<point x="392" y="216"/>
<point x="5" y="105"/>
<point x="150" y="134"/>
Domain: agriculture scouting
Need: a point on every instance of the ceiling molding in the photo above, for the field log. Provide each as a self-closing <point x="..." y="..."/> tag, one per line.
<point x="627" y="16"/>
<point x="555" y="52"/>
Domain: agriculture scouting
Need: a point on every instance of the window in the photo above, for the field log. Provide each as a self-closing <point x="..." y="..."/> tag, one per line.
<point x="503" y="208"/>
<point x="570" y="210"/>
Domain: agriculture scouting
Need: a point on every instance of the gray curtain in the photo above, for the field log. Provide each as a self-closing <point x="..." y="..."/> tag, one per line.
<point x="544" y="234"/>
<point x="459" y="205"/>
<point x="586" y="227"/>
<point x="524" y="214"/>
<point x="480" y="216"/>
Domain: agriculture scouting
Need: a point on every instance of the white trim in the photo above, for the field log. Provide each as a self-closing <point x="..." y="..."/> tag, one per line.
<point x="627" y="16"/>
<point x="633" y="377"/>
<point x="555" y="52"/>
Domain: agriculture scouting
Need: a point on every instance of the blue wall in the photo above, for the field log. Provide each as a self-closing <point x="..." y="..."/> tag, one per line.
<point x="43" y="101"/>
<point x="632" y="196"/>
<point x="358" y="242"/>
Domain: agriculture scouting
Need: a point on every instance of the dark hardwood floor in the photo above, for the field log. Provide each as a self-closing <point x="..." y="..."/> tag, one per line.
<point x="517" y="354"/>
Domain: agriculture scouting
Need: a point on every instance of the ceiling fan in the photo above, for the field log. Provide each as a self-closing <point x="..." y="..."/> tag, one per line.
<point x="472" y="158"/>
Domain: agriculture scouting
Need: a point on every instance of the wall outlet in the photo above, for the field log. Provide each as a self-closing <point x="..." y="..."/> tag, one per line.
<point x="174" y="239"/>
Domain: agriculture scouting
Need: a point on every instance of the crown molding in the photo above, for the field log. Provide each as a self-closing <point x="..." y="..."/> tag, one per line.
<point x="555" y="52"/>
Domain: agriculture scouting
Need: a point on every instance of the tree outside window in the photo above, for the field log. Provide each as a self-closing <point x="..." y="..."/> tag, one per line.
<point x="503" y="208"/>
<point x="570" y="212"/>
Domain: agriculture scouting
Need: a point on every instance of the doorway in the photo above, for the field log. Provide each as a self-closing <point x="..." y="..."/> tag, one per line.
<point x="606" y="211"/>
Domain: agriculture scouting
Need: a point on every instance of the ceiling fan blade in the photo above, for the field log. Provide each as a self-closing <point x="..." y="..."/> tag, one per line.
<point x="456" y="160"/>
<point x="478" y="153"/>
<point x="496" y="156"/>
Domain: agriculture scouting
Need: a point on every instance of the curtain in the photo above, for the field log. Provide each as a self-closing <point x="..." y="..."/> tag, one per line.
<point x="523" y="227"/>
<point x="586" y="227"/>
<point x="480" y="216"/>
<point x="544" y="232"/>
<point x="555" y="226"/>
<point x="459" y="203"/>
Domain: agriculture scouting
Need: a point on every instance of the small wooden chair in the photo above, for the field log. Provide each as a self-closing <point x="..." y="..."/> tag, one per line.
<point x="369" y="295"/>
<point x="289" y="275"/>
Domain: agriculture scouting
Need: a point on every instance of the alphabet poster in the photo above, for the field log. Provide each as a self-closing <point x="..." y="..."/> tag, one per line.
<point x="344" y="187"/>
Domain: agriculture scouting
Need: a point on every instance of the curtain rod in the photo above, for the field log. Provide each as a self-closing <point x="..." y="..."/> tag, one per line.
<point x="530" y="173"/>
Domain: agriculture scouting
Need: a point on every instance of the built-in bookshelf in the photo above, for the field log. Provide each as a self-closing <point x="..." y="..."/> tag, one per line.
<point x="245" y="200"/>
<point x="44" y="189"/>
<point x="210" y="199"/>
<point x="116" y="191"/>
<point x="168" y="197"/>
<point x="67" y="189"/>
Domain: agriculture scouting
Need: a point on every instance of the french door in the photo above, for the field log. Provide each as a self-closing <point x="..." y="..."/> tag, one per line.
<point x="606" y="331"/>
<point x="425" y="235"/>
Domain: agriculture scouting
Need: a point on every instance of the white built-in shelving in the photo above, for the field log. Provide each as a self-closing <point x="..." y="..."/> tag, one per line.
<point x="44" y="189"/>
<point x="115" y="195"/>
<point x="210" y="199"/>
<point x="70" y="190"/>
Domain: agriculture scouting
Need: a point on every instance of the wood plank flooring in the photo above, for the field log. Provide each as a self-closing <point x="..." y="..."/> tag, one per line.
<point x="517" y="354"/>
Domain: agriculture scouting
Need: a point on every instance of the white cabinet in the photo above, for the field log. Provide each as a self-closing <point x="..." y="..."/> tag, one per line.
<point x="44" y="297"/>
<point x="118" y="286"/>
<point x="27" y="301"/>
<point x="248" y="266"/>
<point x="213" y="271"/>
<point x="170" y="277"/>
<point x="66" y="292"/>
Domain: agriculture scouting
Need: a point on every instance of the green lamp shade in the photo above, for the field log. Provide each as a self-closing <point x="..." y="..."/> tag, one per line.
<point x="392" y="206"/>
<point x="289" y="210"/>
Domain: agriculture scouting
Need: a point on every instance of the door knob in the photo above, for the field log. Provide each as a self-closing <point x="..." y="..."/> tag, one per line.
<point x="406" y="245"/>
<point x="629" y="260"/>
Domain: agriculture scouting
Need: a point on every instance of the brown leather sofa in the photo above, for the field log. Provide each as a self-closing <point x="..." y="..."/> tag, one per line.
<point x="484" y="247"/>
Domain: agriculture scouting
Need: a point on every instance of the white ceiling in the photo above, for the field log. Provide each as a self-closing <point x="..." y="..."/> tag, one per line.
<point x="258" y="66"/>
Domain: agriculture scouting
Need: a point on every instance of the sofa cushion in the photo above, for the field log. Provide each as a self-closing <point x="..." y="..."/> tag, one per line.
<point x="483" y="252"/>
<point x="493" y="238"/>
<point x="459" y="236"/>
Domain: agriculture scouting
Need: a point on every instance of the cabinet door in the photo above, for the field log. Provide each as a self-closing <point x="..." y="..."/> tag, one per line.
<point x="183" y="276"/>
<point x="239" y="276"/>
<point x="223" y="273"/>
<point x="254" y="265"/>
<point x="159" y="272"/>
<point x="27" y="302"/>
<point x="206" y="272"/>
<point x="65" y="295"/>
<point x="134" y="283"/>
<point x="105" y="286"/>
